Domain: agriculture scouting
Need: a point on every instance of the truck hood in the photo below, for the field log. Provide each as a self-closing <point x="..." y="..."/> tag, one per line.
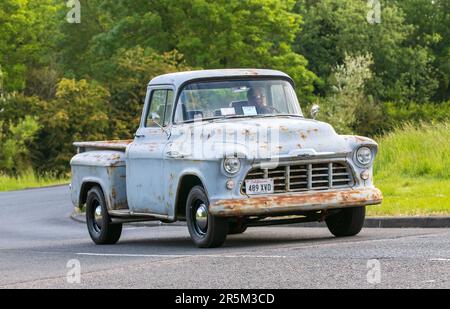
<point x="258" y="138"/>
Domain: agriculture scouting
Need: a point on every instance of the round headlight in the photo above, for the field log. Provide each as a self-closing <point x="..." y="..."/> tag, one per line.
<point x="232" y="165"/>
<point x="364" y="156"/>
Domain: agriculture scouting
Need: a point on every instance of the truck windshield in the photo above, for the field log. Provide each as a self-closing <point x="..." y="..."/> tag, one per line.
<point x="231" y="99"/>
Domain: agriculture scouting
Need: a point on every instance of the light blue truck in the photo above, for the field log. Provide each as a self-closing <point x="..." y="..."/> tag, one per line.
<point x="225" y="150"/>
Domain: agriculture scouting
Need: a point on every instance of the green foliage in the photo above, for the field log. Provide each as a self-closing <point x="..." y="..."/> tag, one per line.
<point x="27" y="32"/>
<point x="431" y="20"/>
<point x="348" y="109"/>
<point x="29" y="179"/>
<point x="395" y="114"/>
<point x="413" y="171"/>
<point x="1" y="81"/>
<point x="14" y="154"/>
<point x="413" y="196"/>
<point x="415" y="151"/>
<point x="334" y="28"/>
<point x="79" y="112"/>
<point x="130" y="68"/>
<point x="211" y="34"/>
<point x="14" y="107"/>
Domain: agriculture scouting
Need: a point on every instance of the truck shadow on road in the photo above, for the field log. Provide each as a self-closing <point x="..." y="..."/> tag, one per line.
<point x="235" y="241"/>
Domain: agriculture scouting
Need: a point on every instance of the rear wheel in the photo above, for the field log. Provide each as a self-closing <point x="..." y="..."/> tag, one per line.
<point x="100" y="227"/>
<point x="206" y="230"/>
<point x="348" y="222"/>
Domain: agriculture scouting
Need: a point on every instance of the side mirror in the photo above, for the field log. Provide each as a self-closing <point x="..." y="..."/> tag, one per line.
<point x="315" y="111"/>
<point x="156" y="120"/>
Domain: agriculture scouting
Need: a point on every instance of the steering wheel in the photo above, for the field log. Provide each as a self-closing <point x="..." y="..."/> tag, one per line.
<point x="272" y="109"/>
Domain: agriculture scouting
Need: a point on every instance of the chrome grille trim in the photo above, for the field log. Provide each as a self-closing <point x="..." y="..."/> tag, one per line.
<point x="302" y="177"/>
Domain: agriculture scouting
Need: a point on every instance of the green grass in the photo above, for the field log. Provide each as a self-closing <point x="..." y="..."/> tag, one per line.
<point x="28" y="180"/>
<point x="413" y="197"/>
<point x="413" y="171"/>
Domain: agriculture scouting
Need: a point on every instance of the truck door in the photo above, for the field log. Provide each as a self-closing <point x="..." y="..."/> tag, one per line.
<point x="145" y="156"/>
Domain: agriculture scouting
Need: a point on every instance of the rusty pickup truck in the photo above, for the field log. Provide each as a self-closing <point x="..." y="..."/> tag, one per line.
<point x="225" y="150"/>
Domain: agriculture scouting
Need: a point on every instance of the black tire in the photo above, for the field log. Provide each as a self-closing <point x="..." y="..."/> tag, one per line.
<point x="211" y="234"/>
<point x="348" y="222"/>
<point x="236" y="227"/>
<point x="101" y="230"/>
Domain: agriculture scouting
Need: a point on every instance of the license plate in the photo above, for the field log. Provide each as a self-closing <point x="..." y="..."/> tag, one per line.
<point x="259" y="186"/>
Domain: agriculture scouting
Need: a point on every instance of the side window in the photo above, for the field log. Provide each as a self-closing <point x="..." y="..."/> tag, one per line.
<point x="158" y="102"/>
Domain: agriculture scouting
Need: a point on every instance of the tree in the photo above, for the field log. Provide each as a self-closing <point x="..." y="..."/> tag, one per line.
<point x="431" y="21"/>
<point x="209" y="33"/>
<point x="14" y="153"/>
<point x="334" y="28"/>
<point x="75" y="39"/>
<point x="27" y="35"/>
<point x="79" y="112"/>
<point x="349" y="109"/>
<point x="131" y="70"/>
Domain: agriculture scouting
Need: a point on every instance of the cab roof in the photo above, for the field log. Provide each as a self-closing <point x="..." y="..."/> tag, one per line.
<point x="178" y="79"/>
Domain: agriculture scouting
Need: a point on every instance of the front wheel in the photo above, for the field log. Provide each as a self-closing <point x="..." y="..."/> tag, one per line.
<point x="206" y="230"/>
<point x="348" y="222"/>
<point x="100" y="227"/>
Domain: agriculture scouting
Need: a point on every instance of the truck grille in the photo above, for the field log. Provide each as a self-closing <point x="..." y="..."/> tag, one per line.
<point x="305" y="177"/>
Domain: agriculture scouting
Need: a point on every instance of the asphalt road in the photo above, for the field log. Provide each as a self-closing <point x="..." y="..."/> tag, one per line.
<point x="38" y="239"/>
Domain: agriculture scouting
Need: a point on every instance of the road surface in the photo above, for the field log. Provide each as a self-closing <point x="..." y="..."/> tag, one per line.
<point x="38" y="239"/>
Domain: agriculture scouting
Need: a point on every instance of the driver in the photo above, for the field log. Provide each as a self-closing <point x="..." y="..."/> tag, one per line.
<point x="257" y="98"/>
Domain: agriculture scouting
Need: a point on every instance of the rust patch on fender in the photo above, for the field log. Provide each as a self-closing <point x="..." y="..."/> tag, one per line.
<point x="113" y="193"/>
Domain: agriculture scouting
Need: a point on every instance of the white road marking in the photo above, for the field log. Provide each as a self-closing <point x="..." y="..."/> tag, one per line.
<point x="336" y="243"/>
<point x="183" y="255"/>
<point x="440" y="260"/>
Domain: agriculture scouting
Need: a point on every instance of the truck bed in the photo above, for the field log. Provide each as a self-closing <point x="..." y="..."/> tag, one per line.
<point x="102" y="163"/>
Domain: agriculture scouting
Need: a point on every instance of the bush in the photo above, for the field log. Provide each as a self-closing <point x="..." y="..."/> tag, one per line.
<point x="349" y="110"/>
<point x="14" y="153"/>
<point x="80" y="112"/>
<point x="396" y="114"/>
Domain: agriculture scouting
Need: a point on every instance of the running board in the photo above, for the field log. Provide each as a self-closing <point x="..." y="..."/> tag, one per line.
<point x="123" y="216"/>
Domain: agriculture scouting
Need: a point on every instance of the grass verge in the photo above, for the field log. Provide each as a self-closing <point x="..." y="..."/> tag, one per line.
<point x="413" y="171"/>
<point x="29" y="180"/>
<point x="413" y="197"/>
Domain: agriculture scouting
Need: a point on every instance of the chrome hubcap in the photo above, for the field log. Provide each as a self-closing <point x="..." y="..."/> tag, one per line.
<point x="201" y="218"/>
<point x="98" y="216"/>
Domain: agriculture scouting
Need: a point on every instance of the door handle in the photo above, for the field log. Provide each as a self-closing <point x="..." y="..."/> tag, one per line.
<point x="139" y="135"/>
<point x="174" y="155"/>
